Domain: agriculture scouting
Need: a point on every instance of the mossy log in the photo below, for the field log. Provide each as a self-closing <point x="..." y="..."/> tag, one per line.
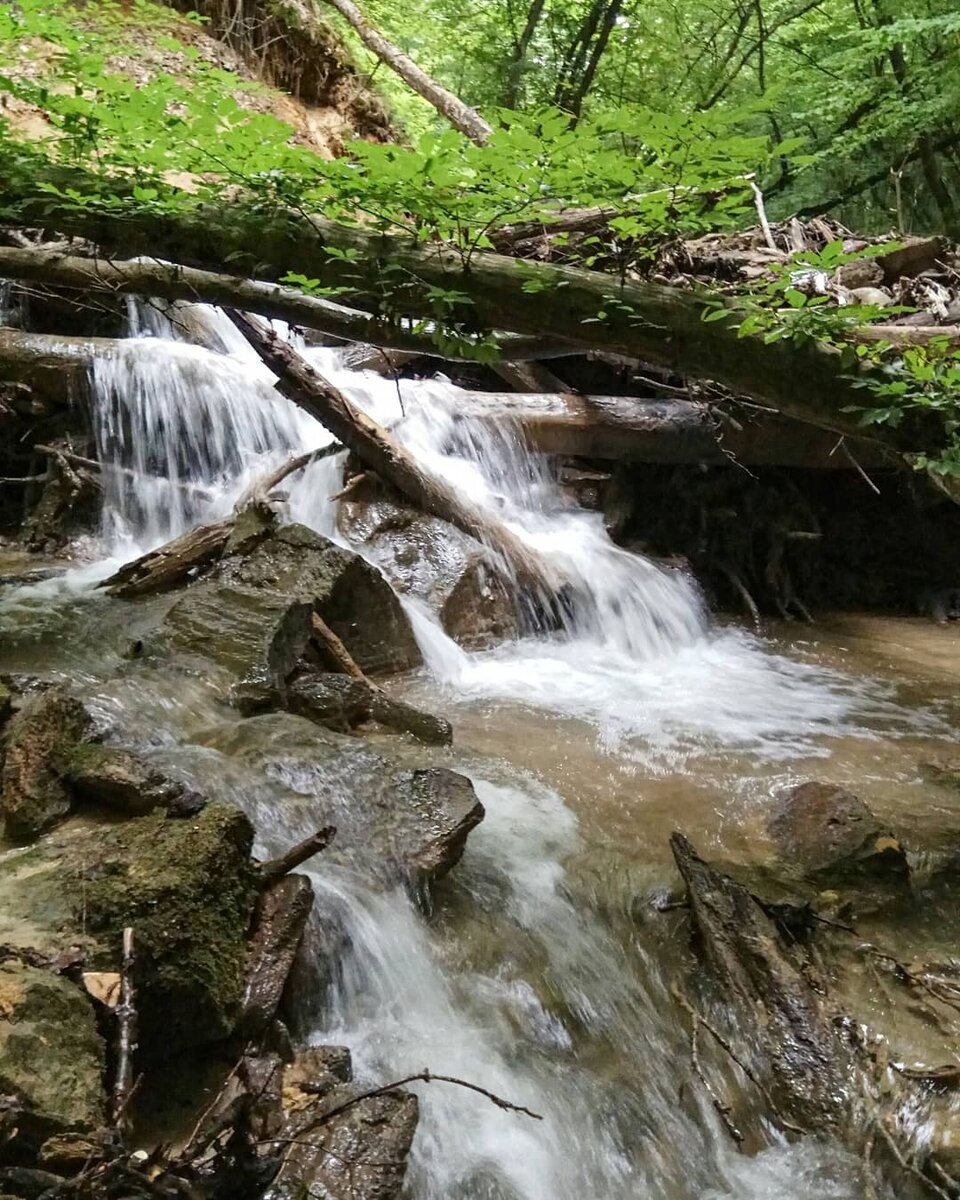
<point x="651" y="322"/>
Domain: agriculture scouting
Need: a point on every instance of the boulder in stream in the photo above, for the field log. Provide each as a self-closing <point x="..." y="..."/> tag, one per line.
<point x="125" y="782"/>
<point x="35" y="794"/>
<point x="187" y="887"/>
<point x="252" y="613"/>
<point x="52" y="1058"/>
<point x="834" y="839"/>
<point x="427" y="557"/>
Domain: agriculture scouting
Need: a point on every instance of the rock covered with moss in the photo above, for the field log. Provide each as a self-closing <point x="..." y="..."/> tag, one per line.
<point x="187" y="887"/>
<point x="51" y="1056"/>
<point x="35" y="795"/>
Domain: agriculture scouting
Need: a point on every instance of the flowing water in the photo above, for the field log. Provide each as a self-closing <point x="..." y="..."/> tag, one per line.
<point x="541" y="968"/>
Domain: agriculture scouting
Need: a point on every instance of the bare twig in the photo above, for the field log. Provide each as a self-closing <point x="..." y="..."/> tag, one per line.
<point x="276" y="868"/>
<point x="424" y="1076"/>
<point x="126" y="1039"/>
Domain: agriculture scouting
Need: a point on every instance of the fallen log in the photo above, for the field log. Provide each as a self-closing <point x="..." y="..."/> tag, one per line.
<point x="621" y="428"/>
<point x="308" y="389"/>
<point x="630" y="429"/>
<point x="171" y="563"/>
<point x="168" y="281"/>
<point x="652" y="322"/>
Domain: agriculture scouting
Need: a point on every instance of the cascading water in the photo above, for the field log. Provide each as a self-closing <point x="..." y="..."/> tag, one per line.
<point x="518" y="982"/>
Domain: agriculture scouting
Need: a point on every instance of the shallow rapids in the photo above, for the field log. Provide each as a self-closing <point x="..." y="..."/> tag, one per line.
<point x="540" y="969"/>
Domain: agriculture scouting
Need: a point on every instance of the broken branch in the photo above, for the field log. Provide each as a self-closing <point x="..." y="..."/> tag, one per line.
<point x="276" y="868"/>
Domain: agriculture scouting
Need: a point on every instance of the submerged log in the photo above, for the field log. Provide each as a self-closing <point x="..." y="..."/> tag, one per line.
<point x="788" y="1036"/>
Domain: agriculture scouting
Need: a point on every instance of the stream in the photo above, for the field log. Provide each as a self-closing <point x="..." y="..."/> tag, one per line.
<point x="540" y="968"/>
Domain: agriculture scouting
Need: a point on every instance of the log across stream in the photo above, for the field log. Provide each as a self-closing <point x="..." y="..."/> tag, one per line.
<point x="544" y="966"/>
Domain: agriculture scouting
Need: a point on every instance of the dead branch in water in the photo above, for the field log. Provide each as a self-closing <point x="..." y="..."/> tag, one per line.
<point x="276" y="868"/>
<point x="309" y="390"/>
<point x="425" y="1076"/>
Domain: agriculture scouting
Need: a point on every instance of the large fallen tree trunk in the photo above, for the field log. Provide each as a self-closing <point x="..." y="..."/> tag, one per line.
<point x="643" y="320"/>
<point x="619" y="428"/>
<point x="378" y="450"/>
<point x="629" y="429"/>
<point x="169" y="281"/>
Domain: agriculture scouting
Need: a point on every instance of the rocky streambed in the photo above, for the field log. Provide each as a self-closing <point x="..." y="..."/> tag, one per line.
<point x="685" y="895"/>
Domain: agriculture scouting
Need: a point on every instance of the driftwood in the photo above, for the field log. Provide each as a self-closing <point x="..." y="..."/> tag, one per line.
<point x="173" y="562"/>
<point x="374" y="446"/>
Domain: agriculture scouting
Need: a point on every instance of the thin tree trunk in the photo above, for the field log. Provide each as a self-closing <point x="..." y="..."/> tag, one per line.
<point x="586" y="79"/>
<point x="461" y="116"/>
<point x="518" y="58"/>
<point x="372" y="444"/>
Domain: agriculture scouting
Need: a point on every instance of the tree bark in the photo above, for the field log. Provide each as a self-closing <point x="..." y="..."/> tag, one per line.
<point x="375" y="447"/>
<point x="519" y="56"/>
<point x="461" y="116"/>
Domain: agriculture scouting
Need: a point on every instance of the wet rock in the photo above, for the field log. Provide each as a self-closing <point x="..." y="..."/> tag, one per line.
<point x="430" y="813"/>
<point x="412" y="821"/>
<point x="278" y="926"/>
<point x="426" y="557"/>
<point x="252" y="613"/>
<point x="831" y="836"/>
<point x="124" y="781"/>
<point x="340" y="702"/>
<point x="358" y="1154"/>
<point x="51" y="1056"/>
<point x="35" y="795"/>
<point x="187" y="887"/>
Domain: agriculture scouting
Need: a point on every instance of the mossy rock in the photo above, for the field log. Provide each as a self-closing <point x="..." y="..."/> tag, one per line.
<point x="34" y="793"/>
<point x="51" y="1057"/>
<point x="187" y="888"/>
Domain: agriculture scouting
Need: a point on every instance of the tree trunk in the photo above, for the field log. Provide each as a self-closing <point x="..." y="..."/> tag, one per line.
<point x="375" y="447"/>
<point x="519" y="56"/>
<point x="168" y="281"/>
<point x="461" y="116"/>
